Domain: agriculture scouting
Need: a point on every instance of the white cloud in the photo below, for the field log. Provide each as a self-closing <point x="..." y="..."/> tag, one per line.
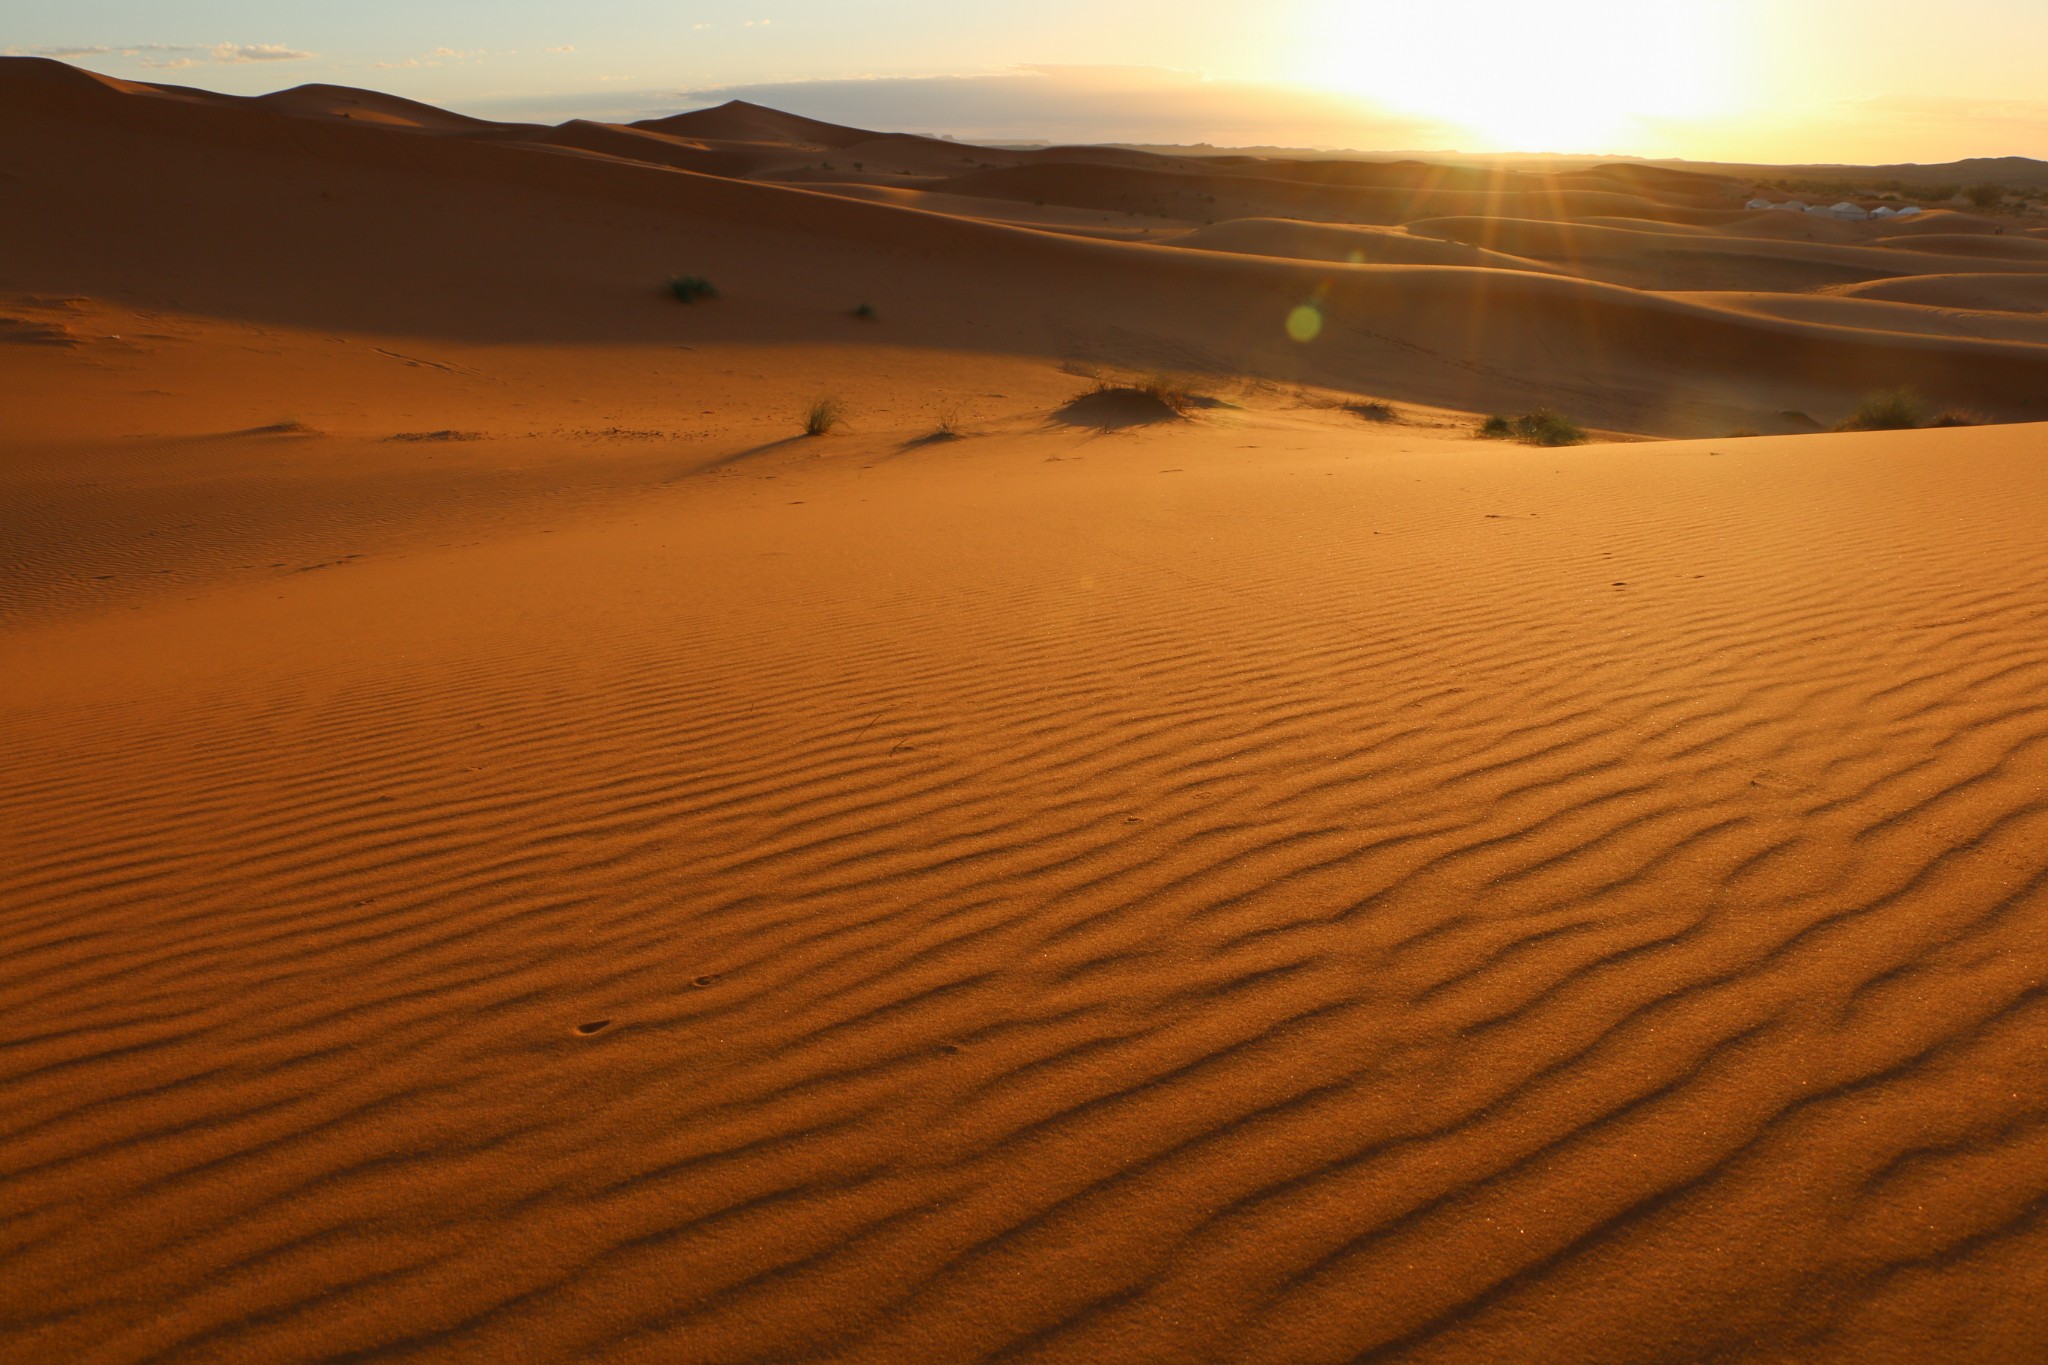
<point x="1095" y="104"/>
<point x="174" y="55"/>
<point x="236" y="53"/>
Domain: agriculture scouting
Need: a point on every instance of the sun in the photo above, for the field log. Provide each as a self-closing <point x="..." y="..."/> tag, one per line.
<point x="1529" y="75"/>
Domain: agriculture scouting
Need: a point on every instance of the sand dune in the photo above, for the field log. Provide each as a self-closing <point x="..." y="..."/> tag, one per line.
<point x="1985" y="293"/>
<point x="2029" y="249"/>
<point x="1465" y="881"/>
<point x="739" y="121"/>
<point x="259" y="212"/>
<point x="344" y="102"/>
<point x="511" y="852"/>
<point x="1352" y="245"/>
<point x="1876" y="314"/>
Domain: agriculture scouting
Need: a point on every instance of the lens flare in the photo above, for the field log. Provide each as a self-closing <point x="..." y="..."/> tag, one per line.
<point x="1305" y="323"/>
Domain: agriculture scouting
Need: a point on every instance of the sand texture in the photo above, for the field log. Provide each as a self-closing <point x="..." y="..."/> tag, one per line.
<point x="509" y="851"/>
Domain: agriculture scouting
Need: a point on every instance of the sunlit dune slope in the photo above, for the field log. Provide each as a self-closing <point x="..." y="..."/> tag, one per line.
<point x="1079" y="899"/>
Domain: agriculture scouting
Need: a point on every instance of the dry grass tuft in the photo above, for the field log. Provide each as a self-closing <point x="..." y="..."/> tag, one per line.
<point x="823" y="415"/>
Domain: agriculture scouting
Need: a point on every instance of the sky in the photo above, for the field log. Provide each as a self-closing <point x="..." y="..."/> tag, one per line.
<point x="1777" y="81"/>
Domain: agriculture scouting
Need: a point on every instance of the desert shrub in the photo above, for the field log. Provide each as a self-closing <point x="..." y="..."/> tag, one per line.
<point x="690" y="288"/>
<point x="1742" y="434"/>
<point x="1372" y="409"/>
<point x="1177" y="392"/>
<point x="1543" y="427"/>
<point x="1986" y="196"/>
<point x="1956" y="417"/>
<point x="1886" y="410"/>
<point x="823" y="415"/>
<point x="866" y="312"/>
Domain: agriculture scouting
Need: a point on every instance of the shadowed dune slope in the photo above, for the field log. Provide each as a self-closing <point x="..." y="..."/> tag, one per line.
<point x="1198" y="197"/>
<point x="326" y="223"/>
<point x="1998" y="293"/>
<point x="1353" y="245"/>
<point x="1653" y="258"/>
<point x="1882" y="316"/>
<point x="739" y="121"/>
<point x="1309" y="905"/>
<point x="345" y="102"/>
<point x="2028" y="249"/>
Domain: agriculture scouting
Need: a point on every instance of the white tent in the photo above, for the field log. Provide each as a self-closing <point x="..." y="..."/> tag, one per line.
<point x="1791" y="206"/>
<point x="1845" y="209"/>
<point x="1910" y="211"/>
<point x="1881" y="212"/>
<point x="1761" y="204"/>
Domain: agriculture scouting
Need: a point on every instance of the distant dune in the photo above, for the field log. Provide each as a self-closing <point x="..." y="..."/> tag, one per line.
<point x="1148" y="840"/>
<point x="302" y="210"/>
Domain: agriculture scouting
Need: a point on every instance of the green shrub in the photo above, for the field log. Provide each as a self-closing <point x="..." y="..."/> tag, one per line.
<point x="690" y="288"/>
<point x="1887" y="410"/>
<point x="866" y="312"/>
<point x="1543" y="427"/>
<point x="1956" y="417"/>
<point x="823" y="415"/>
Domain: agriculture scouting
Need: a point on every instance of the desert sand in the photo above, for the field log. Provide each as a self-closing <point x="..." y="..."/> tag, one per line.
<point x="510" y="851"/>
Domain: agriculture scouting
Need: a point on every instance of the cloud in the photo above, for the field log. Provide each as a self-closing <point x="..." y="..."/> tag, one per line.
<point x="235" y="53"/>
<point x="1095" y="104"/>
<point x="174" y="55"/>
<point x="565" y="47"/>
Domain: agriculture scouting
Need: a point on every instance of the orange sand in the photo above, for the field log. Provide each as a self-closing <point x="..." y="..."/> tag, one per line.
<point x="609" y="878"/>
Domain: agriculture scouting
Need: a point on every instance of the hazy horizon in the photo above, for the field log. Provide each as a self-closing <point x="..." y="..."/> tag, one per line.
<point x="1826" y="82"/>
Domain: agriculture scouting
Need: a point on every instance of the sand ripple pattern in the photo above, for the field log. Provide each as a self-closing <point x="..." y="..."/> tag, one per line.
<point x="1530" y="907"/>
